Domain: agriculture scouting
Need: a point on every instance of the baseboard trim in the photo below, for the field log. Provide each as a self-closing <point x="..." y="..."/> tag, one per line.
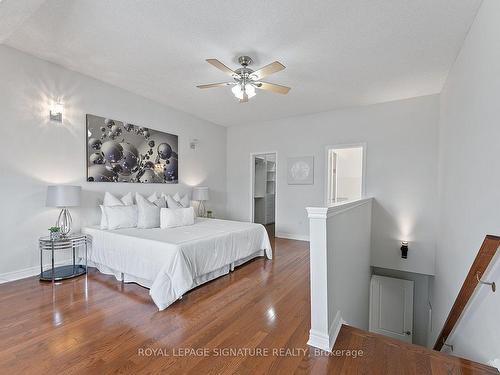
<point x="26" y="272"/>
<point x="319" y="340"/>
<point x="334" y="330"/>
<point x="326" y="342"/>
<point x="292" y="236"/>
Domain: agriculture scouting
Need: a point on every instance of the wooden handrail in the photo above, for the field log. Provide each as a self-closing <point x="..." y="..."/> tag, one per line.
<point x="483" y="259"/>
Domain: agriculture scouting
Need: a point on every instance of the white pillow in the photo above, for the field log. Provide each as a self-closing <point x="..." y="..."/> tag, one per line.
<point x="177" y="197"/>
<point x="176" y="217"/>
<point x="177" y="201"/>
<point x="184" y="201"/>
<point x="111" y="200"/>
<point x="148" y="213"/>
<point x="121" y="216"/>
<point x="152" y="198"/>
<point x="172" y="203"/>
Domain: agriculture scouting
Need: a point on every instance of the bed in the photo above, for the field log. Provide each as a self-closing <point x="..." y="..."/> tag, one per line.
<point x="172" y="261"/>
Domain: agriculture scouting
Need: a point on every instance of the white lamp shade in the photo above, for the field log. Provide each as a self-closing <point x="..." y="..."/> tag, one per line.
<point x="63" y="196"/>
<point x="200" y="193"/>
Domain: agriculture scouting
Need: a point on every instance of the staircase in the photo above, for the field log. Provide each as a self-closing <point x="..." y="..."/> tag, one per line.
<point x="340" y="273"/>
<point x="384" y="355"/>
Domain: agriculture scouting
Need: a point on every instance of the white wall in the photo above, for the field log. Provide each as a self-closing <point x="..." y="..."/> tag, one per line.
<point x="348" y="261"/>
<point x="36" y="152"/>
<point x="401" y="139"/>
<point x="337" y="296"/>
<point x="469" y="183"/>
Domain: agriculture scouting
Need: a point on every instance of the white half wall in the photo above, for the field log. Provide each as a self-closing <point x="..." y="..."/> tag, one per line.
<point x="339" y="269"/>
<point x="401" y="154"/>
<point x="469" y="183"/>
<point x="36" y="152"/>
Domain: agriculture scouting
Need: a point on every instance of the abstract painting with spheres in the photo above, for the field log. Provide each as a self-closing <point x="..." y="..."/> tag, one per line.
<point x="122" y="152"/>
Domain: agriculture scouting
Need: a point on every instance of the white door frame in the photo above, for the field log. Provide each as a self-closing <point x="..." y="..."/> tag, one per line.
<point x="252" y="183"/>
<point x="363" y="178"/>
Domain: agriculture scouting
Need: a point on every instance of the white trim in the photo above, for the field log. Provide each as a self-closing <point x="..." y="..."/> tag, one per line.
<point x="363" y="175"/>
<point x="319" y="340"/>
<point x="326" y="342"/>
<point x="27" y="272"/>
<point x="334" y="330"/>
<point x="317" y="212"/>
<point x="326" y="212"/>
<point x="292" y="236"/>
<point x="346" y="206"/>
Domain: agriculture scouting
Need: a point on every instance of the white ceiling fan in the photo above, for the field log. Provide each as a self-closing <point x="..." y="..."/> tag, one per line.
<point x="247" y="80"/>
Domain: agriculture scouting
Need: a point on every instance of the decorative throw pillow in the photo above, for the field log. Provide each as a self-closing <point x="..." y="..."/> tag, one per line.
<point x="111" y="200"/>
<point x="153" y="197"/>
<point x="185" y="201"/>
<point x="148" y="213"/>
<point x="182" y="201"/>
<point x="119" y="217"/>
<point x="176" y="217"/>
<point x="172" y="203"/>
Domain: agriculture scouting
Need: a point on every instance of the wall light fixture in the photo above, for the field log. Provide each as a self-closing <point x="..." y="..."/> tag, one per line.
<point x="56" y="112"/>
<point x="404" y="249"/>
<point x="193" y="144"/>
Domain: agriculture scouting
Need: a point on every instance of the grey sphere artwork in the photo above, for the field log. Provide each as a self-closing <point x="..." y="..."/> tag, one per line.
<point x="99" y="173"/>
<point x="95" y="144"/>
<point x="164" y="151"/>
<point x="96" y="158"/>
<point x="122" y="152"/>
<point x="113" y="151"/>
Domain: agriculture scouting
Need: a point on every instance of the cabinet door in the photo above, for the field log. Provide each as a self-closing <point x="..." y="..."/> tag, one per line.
<point x="391" y="307"/>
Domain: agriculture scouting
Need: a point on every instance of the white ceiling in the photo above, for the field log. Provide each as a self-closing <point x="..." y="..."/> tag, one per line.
<point x="338" y="53"/>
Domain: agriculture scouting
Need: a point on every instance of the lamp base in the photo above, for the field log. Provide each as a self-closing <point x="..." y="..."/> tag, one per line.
<point x="201" y="209"/>
<point x="64" y="222"/>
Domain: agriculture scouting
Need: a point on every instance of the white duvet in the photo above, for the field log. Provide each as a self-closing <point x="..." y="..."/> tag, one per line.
<point x="172" y="261"/>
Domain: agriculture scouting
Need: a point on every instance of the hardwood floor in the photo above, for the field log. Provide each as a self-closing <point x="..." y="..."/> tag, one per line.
<point x="93" y="325"/>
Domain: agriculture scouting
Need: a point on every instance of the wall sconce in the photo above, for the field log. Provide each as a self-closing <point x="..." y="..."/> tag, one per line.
<point x="56" y="112"/>
<point x="404" y="249"/>
<point x="193" y="144"/>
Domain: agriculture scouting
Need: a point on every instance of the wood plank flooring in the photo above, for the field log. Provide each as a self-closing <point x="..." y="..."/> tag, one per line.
<point x="252" y="321"/>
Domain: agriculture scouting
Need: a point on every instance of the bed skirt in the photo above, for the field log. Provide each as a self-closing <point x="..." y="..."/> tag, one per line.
<point x="127" y="278"/>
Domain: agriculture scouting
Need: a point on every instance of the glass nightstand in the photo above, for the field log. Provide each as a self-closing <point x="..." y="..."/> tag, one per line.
<point x="73" y="242"/>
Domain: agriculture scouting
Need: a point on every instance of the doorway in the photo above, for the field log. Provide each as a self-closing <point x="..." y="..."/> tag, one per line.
<point x="263" y="192"/>
<point x="391" y="307"/>
<point x="345" y="173"/>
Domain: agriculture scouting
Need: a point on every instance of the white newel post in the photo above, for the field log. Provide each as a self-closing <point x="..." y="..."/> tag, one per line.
<point x="318" y="335"/>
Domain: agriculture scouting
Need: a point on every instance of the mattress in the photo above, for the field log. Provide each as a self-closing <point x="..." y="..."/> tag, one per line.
<point x="172" y="261"/>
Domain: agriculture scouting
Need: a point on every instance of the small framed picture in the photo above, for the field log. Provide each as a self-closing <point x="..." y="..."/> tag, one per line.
<point x="300" y="170"/>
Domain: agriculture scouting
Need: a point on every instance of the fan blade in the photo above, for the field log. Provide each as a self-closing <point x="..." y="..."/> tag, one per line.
<point x="222" y="67"/>
<point x="272" y="87"/>
<point x="221" y="84"/>
<point x="245" y="98"/>
<point x="267" y="70"/>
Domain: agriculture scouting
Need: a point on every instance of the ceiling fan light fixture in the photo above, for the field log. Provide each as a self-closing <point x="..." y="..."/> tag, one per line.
<point x="238" y="91"/>
<point x="250" y="90"/>
<point x="246" y="80"/>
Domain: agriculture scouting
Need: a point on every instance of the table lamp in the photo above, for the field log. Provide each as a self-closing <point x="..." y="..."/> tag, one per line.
<point x="63" y="196"/>
<point x="200" y="194"/>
